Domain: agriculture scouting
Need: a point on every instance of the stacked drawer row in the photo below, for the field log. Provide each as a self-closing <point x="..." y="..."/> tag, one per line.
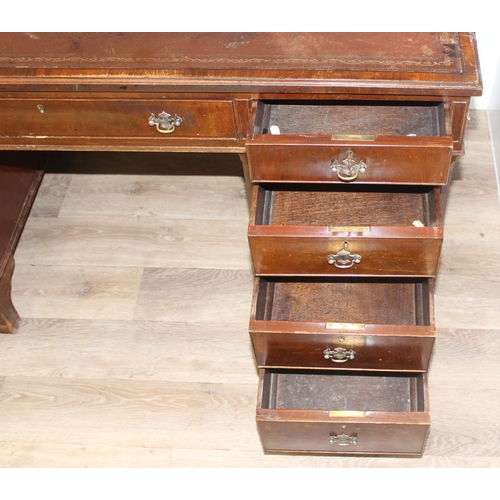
<point x="345" y="234"/>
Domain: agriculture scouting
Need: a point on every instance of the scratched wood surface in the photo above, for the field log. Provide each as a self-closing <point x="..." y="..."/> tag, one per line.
<point x="135" y="291"/>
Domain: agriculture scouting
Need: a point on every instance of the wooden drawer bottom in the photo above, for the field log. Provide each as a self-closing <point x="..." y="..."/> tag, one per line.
<point x="343" y="413"/>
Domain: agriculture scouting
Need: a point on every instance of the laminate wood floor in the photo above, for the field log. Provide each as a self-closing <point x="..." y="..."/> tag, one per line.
<point x="135" y="292"/>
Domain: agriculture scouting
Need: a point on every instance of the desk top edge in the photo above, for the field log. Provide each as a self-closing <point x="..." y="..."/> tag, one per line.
<point x="422" y="63"/>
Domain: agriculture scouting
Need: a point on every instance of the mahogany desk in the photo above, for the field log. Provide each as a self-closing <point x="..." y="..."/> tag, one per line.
<point x="347" y="143"/>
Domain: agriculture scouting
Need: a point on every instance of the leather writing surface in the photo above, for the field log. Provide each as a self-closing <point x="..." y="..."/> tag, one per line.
<point x="245" y="61"/>
<point x="373" y="51"/>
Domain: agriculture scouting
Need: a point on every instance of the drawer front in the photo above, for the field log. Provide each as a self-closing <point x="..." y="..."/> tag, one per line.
<point x="344" y="350"/>
<point x="276" y="253"/>
<point x="413" y="160"/>
<point x="341" y="438"/>
<point x="115" y="118"/>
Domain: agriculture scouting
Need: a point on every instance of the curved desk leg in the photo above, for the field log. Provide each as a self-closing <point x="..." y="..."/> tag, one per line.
<point x="20" y="175"/>
<point x="9" y="319"/>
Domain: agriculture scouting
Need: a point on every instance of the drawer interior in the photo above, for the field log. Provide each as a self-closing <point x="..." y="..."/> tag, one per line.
<point x="389" y="118"/>
<point x="334" y="205"/>
<point x="344" y="300"/>
<point x="343" y="391"/>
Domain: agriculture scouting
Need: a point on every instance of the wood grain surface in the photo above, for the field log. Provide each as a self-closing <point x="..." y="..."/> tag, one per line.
<point x="135" y="292"/>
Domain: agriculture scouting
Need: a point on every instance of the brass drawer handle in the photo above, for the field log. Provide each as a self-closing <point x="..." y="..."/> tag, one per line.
<point x="343" y="439"/>
<point x="343" y="259"/>
<point x="339" y="354"/>
<point x="165" y="124"/>
<point x="347" y="170"/>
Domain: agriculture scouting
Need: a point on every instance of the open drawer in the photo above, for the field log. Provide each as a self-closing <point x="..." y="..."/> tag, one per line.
<point x="347" y="230"/>
<point x="351" y="141"/>
<point x="343" y="323"/>
<point x="343" y="413"/>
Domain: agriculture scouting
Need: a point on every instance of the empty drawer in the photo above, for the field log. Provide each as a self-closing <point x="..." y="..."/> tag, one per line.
<point x="389" y="143"/>
<point x="343" y="413"/>
<point x="343" y="323"/>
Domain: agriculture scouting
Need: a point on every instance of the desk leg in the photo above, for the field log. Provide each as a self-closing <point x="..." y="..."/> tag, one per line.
<point x="446" y="189"/>
<point x="9" y="319"/>
<point x="20" y="175"/>
<point x="246" y="174"/>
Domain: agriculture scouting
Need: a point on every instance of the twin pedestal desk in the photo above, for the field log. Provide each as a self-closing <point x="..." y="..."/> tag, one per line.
<point x="347" y="142"/>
